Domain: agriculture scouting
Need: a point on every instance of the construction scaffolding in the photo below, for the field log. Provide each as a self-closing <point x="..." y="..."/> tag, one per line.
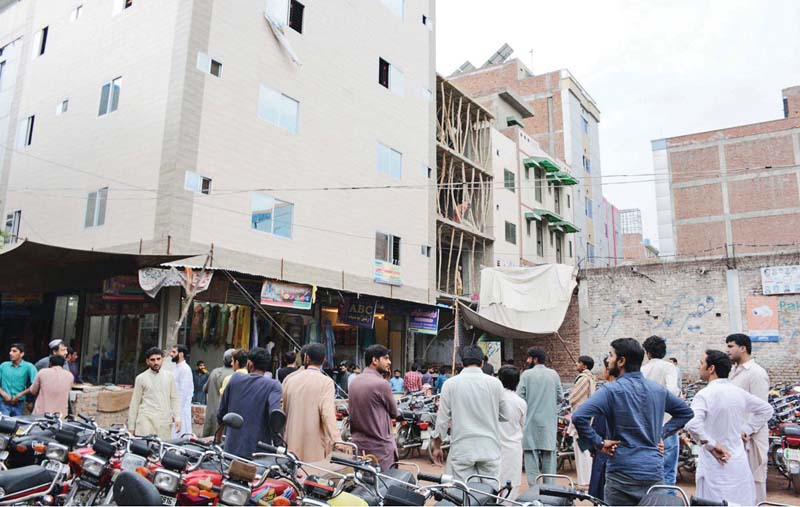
<point x="464" y="190"/>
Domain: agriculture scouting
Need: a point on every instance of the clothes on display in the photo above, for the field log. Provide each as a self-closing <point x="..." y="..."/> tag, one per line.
<point x="215" y="324"/>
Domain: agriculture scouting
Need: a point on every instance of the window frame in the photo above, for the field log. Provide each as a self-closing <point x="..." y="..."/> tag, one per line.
<point x="291" y="19"/>
<point x="62" y="107"/>
<point x="539" y="238"/>
<point x="111" y="102"/>
<point x="99" y="202"/>
<point x="391" y="77"/>
<point x="197" y="183"/>
<point x="75" y="14"/>
<point x="205" y="64"/>
<point x="30" y="123"/>
<point x="511" y="232"/>
<point x="392" y="246"/>
<point x="390" y="152"/>
<point x="272" y="216"/>
<point x="264" y="94"/>
<point x="40" y="42"/>
<point x="509" y="177"/>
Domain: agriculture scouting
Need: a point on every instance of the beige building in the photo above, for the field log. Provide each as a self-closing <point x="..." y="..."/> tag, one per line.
<point x="267" y="132"/>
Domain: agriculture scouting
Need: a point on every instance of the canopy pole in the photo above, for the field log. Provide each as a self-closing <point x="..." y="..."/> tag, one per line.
<point x="455" y="338"/>
<point x="565" y="347"/>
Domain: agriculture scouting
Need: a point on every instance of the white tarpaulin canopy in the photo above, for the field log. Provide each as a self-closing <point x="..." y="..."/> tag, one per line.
<point x="519" y="302"/>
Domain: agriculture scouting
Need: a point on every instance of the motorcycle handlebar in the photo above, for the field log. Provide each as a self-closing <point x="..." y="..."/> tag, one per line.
<point x="346" y="462"/>
<point x="429" y="478"/>
<point x="267" y="447"/>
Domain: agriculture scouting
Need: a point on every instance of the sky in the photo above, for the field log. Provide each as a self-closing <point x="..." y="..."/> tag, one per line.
<point x="655" y="68"/>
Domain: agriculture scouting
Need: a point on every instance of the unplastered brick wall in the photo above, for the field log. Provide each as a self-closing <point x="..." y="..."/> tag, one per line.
<point x="687" y="303"/>
<point x="557" y="356"/>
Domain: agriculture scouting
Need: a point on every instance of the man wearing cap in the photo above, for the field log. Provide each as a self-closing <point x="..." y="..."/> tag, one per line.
<point x="57" y="348"/>
<point x="474" y="404"/>
<point x="372" y="407"/>
<point x="212" y="388"/>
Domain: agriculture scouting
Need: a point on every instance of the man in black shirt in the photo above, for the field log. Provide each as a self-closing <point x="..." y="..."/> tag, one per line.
<point x="289" y="365"/>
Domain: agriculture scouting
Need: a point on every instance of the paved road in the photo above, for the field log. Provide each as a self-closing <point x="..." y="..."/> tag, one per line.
<point x="777" y="486"/>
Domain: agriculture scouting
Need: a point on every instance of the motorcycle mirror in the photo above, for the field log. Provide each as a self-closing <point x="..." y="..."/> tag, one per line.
<point x="277" y="422"/>
<point x="233" y="420"/>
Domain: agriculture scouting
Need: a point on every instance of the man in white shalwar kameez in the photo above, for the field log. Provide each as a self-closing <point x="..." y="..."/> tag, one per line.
<point x="185" y="383"/>
<point x="155" y="399"/>
<point x="511" y="430"/>
<point x="721" y="412"/>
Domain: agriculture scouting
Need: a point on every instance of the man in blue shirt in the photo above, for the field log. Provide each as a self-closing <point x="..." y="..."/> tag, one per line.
<point x="398" y="386"/>
<point x="254" y="397"/>
<point x="16" y="376"/>
<point x="634" y="409"/>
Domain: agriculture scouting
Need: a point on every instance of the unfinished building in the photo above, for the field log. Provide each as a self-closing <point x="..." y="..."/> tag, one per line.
<point x="464" y="191"/>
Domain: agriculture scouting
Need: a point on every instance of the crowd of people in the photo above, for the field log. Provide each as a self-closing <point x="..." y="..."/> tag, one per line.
<point x="625" y="432"/>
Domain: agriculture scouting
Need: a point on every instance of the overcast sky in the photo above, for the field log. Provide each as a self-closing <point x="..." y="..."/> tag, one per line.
<point x="655" y="68"/>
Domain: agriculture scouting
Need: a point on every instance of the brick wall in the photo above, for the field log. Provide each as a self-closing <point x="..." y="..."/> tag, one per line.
<point x="687" y="303"/>
<point x="695" y="164"/>
<point x="557" y="356"/>
<point x="769" y="152"/>
<point x="702" y="238"/>
<point x="697" y="201"/>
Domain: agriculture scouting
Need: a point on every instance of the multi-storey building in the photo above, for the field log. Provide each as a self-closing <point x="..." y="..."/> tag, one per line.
<point x="298" y="141"/>
<point x="732" y="190"/>
<point x="635" y="246"/>
<point x="565" y="124"/>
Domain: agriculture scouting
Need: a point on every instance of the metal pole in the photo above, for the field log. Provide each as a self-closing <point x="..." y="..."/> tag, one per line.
<point x="455" y="339"/>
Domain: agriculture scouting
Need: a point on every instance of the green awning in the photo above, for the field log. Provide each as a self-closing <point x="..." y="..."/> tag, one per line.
<point x="543" y="162"/>
<point x="562" y="226"/>
<point x="569" y="228"/>
<point x="566" y="178"/>
<point x="549" y="215"/>
<point x="533" y="215"/>
<point x="511" y="121"/>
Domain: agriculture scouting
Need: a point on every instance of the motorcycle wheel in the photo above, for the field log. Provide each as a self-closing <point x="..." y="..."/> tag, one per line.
<point x="777" y="460"/>
<point x="403" y="436"/>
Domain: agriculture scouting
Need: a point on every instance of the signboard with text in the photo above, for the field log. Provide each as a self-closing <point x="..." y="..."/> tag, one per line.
<point x="357" y="312"/>
<point x="762" y="319"/>
<point x="287" y="295"/>
<point x="780" y="280"/>
<point x="387" y="273"/>
<point x="423" y="320"/>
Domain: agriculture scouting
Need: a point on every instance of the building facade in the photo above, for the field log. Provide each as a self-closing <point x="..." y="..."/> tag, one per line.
<point x="280" y="139"/>
<point x="635" y="246"/>
<point x="565" y="124"/>
<point x="731" y="191"/>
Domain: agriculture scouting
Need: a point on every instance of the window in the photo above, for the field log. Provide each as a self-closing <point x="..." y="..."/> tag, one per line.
<point x="557" y="200"/>
<point x="121" y="5"/>
<point x="208" y="65"/>
<point x="62" y="107"/>
<point x="785" y="107"/>
<point x="278" y="109"/>
<point x="590" y="251"/>
<point x="396" y="6"/>
<point x="296" y="16"/>
<point x="585" y="125"/>
<point x="511" y="233"/>
<point x="26" y="131"/>
<point x="390" y="161"/>
<point x="508" y="180"/>
<point x="387" y="248"/>
<point x="551" y="238"/>
<point x="569" y="243"/>
<point x="586" y="164"/>
<point x="424" y="19"/>
<point x="538" y="175"/>
<point x="76" y="13"/>
<point x="539" y="238"/>
<point x="425" y="250"/>
<point x="109" y="97"/>
<point x="40" y="42"/>
<point x="569" y="202"/>
<point x="13" y="221"/>
<point x="196" y="183"/>
<point x="96" y="208"/>
<point x="588" y="206"/>
<point x="390" y="77"/>
<point x="606" y="230"/>
<point x="271" y="215"/>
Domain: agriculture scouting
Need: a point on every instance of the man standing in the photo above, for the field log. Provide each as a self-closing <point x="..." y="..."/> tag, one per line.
<point x="212" y="388"/>
<point x="310" y="409"/>
<point x="155" y="405"/>
<point x="511" y="430"/>
<point x="289" y="366"/>
<point x="398" y="386"/>
<point x="200" y="378"/>
<point x="540" y="387"/>
<point x="51" y="388"/>
<point x="751" y="377"/>
<point x="57" y="348"/>
<point x="254" y="397"/>
<point x="16" y="376"/>
<point x="427" y="377"/>
<point x="634" y="411"/>
<point x="722" y="412"/>
<point x="665" y="374"/>
<point x="73" y="366"/>
<point x="413" y="380"/>
<point x="239" y="366"/>
<point x="185" y="384"/>
<point x="583" y="389"/>
<point x="474" y="404"/>
<point x="487" y="366"/>
<point x="372" y="407"/>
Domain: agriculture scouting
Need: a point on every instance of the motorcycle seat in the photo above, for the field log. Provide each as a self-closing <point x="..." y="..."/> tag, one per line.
<point x="24" y="478"/>
<point x="661" y="498"/>
<point x="533" y="495"/>
<point x="131" y="488"/>
<point x="792" y="430"/>
<point x="474" y="498"/>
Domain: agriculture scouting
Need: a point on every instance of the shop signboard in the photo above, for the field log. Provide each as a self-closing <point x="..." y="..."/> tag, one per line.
<point x="762" y="319"/>
<point x="287" y="295"/>
<point x="357" y="312"/>
<point x="123" y="288"/>
<point x="424" y="320"/>
<point x="387" y="273"/>
<point x="780" y="280"/>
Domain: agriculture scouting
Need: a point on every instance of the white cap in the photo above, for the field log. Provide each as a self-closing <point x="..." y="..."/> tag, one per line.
<point x="55" y="343"/>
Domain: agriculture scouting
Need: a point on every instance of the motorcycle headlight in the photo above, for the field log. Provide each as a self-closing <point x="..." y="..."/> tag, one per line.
<point x="93" y="465"/>
<point x="4" y="442"/>
<point x="56" y="452"/>
<point x="166" y="480"/>
<point x="234" y="494"/>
